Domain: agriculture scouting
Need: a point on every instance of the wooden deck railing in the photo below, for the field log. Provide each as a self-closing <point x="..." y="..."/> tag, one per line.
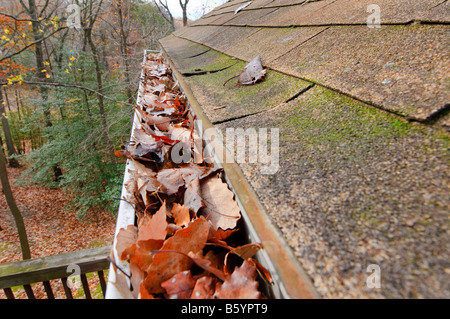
<point x="26" y="272"/>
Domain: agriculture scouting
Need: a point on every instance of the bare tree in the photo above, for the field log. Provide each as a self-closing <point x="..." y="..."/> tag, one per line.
<point x="87" y="23"/>
<point x="183" y="4"/>
<point x="122" y="8"/>
<point x="8" y="136"/>
<point x="6" y="188"/>
<point x="36" y="16"/>
<point x="163" y="8"/>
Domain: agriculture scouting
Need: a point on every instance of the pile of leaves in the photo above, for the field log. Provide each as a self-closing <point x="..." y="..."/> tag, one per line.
<point x="187" y="243"/>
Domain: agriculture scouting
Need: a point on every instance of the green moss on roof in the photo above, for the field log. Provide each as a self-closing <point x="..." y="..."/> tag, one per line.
<point x="241" y="100"/>
<point x="335" y="121"/>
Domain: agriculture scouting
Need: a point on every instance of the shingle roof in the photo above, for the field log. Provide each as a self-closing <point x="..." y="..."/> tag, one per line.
<point x="402" y="67"/>
<point x="363" y="153"/>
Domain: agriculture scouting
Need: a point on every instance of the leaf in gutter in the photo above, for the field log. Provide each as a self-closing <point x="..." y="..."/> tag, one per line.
<point x="142" y="255"/>
<point x="253" y="72"/>
<point x="220" y="207"/>
<point x="246" y="251"/>
<point x="241" y="284"/>
<point x="137" y="275"/>
<point x="181" y="215"/>
<point x="154" y="227"/>
<point x="180" y="286"/>
<point x="204" y="288"/>
<point x="192" y="196"/>
<point x="167" y="264"/>
<point x="174" y="178"/>
<point x="125" y="239"/>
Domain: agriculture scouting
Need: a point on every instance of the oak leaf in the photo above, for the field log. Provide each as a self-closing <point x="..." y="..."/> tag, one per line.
<point x="167" y="264"/>
<point x="204" y="288"/>
<point x="241" y="284"/>
<point x="181" y="215"/>
<point x="153" y="227"/>
<point x="192" y="196"/>
<point x="180" y="286"/>
<point x="125" y="238"/>
<point x="253" y="72"/>
<point x="220" y="207"/>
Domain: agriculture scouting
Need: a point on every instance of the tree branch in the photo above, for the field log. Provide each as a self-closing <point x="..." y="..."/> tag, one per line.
<point x="30" y="45"/>
<point x="68" y="85"/>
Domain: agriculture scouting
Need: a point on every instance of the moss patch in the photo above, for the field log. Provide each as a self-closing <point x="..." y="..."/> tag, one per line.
<point x="330" y="122"/>
<point x="237" y="101"/>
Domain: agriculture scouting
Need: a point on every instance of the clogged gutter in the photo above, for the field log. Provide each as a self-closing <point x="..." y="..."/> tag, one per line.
<point x="187" y="241"/>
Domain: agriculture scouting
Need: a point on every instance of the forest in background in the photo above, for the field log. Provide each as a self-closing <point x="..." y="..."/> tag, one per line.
<point x="69" y="72"/>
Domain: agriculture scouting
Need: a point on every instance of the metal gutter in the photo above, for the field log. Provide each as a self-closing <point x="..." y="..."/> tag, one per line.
<point x="126" y="213"/>
<point x="290" y="280"/>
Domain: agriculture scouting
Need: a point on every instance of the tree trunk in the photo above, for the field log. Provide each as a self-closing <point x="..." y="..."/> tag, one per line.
<point x="184" y="8"/>
<point x="101" y="105"/>
<point x="39" y="53"/>
<point x="26" y="254"/>
<point x="8" y="137"/>
<point x="124" y="53"/>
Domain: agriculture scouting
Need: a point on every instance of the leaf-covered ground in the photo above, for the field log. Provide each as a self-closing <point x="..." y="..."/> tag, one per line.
<point x="51" y="229"/>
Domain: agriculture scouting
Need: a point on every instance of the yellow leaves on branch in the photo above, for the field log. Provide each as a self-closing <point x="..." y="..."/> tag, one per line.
<point x="15" y="79"/>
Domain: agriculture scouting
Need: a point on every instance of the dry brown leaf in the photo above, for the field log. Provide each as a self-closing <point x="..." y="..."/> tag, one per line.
<point x="206" y="264"/>
<point x="153" y="227"/>
<point x="253" y="72"/>
<point x="126" y="237"/>
<point x="181" y="215"/>
<point x="220" y="207"/>
<point x="142" y="252"/>
<point x="192" y="196"/>
<point x="174" y="178"/>
<point x="241" y="284"/>
<point x="167" y="264"/>
<point x="179" y="286"/>
<point x="246" y="251"/>
<point x="204" y="288"/>
<point x="137" y="275"/>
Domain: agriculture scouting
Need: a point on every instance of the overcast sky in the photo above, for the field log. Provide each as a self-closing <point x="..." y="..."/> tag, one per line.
<point x="196" y="8"/>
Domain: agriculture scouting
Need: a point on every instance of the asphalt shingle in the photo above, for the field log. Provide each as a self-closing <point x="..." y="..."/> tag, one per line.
<point x="363" y="116"/>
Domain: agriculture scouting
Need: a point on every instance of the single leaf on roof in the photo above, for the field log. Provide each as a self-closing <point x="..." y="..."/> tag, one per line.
<point x="245" y="5"/>
<point x="253" y="72"/>
<point x="220" y="207"/>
